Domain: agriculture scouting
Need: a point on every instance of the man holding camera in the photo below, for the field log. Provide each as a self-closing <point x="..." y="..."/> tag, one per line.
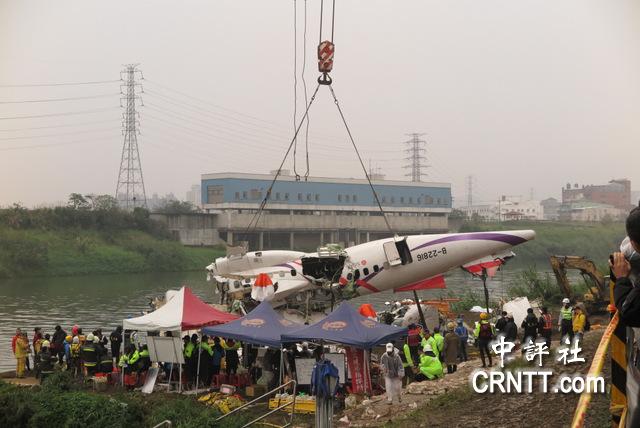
<point x="626" y="296"/>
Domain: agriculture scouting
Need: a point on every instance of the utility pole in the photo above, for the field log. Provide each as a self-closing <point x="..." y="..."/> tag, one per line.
<point x="130" y="191"/>
<point x="416" y="150"/>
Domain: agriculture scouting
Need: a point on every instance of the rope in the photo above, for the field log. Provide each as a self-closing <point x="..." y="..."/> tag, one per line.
<point x="304" y="84"/>
<point x="375" y="194"/>
<point x="256" y="217"/>
<point x="321" y="9"/>
<point x="595" y="370"/>
<point x="333" y="19"/>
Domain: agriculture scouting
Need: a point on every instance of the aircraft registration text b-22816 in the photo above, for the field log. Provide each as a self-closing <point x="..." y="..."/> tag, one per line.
<point x="431" y="254"/>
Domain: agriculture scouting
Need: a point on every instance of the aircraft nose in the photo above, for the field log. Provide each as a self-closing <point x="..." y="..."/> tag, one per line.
<point x="529" y="235"/>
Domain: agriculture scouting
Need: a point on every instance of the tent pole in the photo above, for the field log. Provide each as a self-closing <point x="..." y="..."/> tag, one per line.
<point x="281" y="364"/>
<point x="198" y="370"/>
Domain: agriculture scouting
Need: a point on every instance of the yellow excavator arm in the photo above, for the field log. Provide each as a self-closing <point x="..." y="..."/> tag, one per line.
<point x="560" y="264"/>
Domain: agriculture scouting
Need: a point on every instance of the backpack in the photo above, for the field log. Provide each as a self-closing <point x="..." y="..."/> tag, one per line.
<point x="485" y="331"/>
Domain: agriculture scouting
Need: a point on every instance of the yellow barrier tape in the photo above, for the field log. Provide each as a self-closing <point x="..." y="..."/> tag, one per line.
<point x="595" y="370"/>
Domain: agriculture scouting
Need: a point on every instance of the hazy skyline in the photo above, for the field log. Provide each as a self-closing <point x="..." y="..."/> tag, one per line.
<point x="521" y="95"/>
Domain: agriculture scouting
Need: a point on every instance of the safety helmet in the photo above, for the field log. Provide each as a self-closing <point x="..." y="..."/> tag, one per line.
<point x="484" y="316"/>
<point x="90" y="337"/>
<point x="68" y="338"/>
<point x="45" y="344"/>
<point x="566" y="300"/>
<point x="96" y="339"/>
<point x="427" y="348"/>
<point x="451" y="326"/>
<point x="76" y="339"/>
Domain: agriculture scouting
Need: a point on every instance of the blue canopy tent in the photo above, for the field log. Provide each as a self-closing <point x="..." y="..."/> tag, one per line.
<point x="262" y="326"/>
<point x="347" y="327"/>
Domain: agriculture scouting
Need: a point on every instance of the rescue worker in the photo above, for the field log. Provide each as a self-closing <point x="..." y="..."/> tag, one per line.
<point x="484" y="333"/>
<point x="47" y="361"/>
<point x="231" y="356"/>
<point x="75" y="355"/>
<point x="501" y="323"/>
<point x="428" y="339"/>
<point x="578" y="323"/>
<point x="414" y="341"/>
<point x="217" y="355"/>
<point x="21" y="352"/>
<point x="439" y="339"/>
<point x="430" y="366"/>
<point x="187" y="352"/>
<point x="463" y="333"/>
<point x="407" y="362"/>
<point x="565" y="323"/>
<point x="194" y="357"/>
<point x="206" y="357"/>
<point x="450" y="349"/>
<point x="392" y="368"/>
<point x="57" y="343"/>
<point x="89" y="356"/>
<point x="116" y="342"/>
<point x="545" y="326"/>
<point x="510" y="330"/>
<point x="105" y="361"/>
<point x="67" y="351"/>
<point x="530" y="327"/>
<point x="37" y="340"/>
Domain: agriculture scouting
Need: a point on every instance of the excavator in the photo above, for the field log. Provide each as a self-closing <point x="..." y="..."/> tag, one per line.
<point x="597" y="295"/>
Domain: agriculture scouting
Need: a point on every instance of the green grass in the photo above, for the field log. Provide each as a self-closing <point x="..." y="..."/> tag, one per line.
<point x="31" y="252"/>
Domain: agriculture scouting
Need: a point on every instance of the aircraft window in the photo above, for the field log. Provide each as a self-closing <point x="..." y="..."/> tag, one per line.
<point x="349" y="277"/>
<point x="376" y="268"/>
<point x="356" y="274"/>
<point x="293" y="272"/>
<point x="365" y="271"/>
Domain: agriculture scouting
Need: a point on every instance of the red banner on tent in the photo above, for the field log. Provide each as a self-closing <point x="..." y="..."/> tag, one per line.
<point x="435" y="282"/>
<point x="359" y="371"/>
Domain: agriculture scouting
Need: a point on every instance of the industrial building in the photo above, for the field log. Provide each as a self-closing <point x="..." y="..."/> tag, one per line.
<point x="306" y="214"/>
<point x="616" y="193"/>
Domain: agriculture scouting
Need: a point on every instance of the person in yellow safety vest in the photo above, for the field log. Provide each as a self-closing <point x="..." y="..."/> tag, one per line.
<point x="75" y="355"/>
<point x="427" y="339"/>
<point x="484" y="332"/>
<point x="439" y="339"/>
<point x="430" y="365"/>
<point x="407" y="363"/>
<point x="21" y="353"/>
<point x="578" y="323"/>
<point x="565" y="323"/>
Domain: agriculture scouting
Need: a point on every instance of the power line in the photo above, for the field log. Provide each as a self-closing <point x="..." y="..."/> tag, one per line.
<point x="70" y="113"/>
<point x="64" y="143"/>
<point x="56" y="126"/>
<point x="49" y="100"/>
<point x="56" y="135"/>
<point x="31" y="85"/>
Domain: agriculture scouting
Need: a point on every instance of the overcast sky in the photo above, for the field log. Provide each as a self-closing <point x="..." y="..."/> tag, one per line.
<point x="526" y="94"/>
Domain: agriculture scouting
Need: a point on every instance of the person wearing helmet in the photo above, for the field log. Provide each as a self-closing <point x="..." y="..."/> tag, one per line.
<point x="439" y="339"/>
<point x="67" y="351"/>
<point x="565" y="322"/>
<point x="451" y="348"/>
<point x="484" y="333"/>
<point x="393" y="371"/>
<point x="430" y="366"/>
<point x="89" y="355"/>
<point x="75" y="355"/>
<point x="428" y="339"/>
<point x="47" y="361"/>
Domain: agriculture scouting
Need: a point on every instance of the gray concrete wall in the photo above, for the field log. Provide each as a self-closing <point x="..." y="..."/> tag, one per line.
<point x="191" y="229"/>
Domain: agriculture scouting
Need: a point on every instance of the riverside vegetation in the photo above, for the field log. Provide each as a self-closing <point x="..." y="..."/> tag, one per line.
<point x="91" y="235"/>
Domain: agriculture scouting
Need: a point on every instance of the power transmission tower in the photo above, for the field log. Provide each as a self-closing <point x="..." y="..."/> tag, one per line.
<point x="469" y="191"/>
<point x="130" y="191"/>
<point x="416" y="150"/>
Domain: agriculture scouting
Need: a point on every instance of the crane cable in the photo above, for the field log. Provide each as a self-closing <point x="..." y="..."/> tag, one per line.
<point x="256" y="217"/>
<point x="304" y="85"/>
<point x="325" y="65"/>
<point x="295" y="88"/>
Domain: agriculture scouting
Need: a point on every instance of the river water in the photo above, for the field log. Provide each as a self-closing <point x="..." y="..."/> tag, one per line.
<point x="105" y="300"/>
